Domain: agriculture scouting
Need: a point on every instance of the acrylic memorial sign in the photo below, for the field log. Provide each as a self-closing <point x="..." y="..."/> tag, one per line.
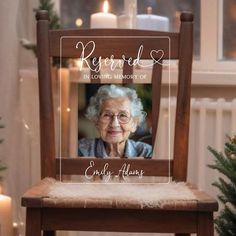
<point x="101" y="116"/>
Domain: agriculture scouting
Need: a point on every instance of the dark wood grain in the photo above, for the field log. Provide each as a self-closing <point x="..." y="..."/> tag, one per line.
<point x="183" y="101"/>
<point x="32" y="201"/>
<point x="94" y="75"/>
<point x="33" y="222"/>
<point x="127" y="73"/>
<point x="206" y="202"/>
<point x="205" y="224"/>
<point x="47" y="139"/>
<point x="116" y="38"/>
<point x="49" y="233"/>
<point x="117" y="220"/>
<point x="156" y="98"/>
<point x="182" y="234"/>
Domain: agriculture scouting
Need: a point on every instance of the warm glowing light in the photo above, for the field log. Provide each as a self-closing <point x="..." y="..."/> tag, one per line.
<point x="26" y="126"/>
<point x="79" y="22"/>
<point x="149" y="10"/>
<point x="105" y="6"/>
<point x="78" y="63"/>
<point x="68" y="109"/>
<point x="15" y="224"/>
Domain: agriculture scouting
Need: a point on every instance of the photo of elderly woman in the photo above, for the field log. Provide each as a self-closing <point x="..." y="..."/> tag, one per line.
<point x="116" y="112"/>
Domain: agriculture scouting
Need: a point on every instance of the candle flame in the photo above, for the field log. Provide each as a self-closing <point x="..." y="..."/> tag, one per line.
<point x="105" y="6"/>
<point x="149" y="10"/>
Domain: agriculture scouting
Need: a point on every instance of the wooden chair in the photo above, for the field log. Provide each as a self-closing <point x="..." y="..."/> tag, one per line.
<point x="47" y="214"/>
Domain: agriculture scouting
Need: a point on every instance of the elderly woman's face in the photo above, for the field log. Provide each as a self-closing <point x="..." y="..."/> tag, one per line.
<point x="115" y="122"/>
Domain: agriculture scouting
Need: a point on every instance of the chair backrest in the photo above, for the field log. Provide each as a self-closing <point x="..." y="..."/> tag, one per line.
<point x="179" y="46"/>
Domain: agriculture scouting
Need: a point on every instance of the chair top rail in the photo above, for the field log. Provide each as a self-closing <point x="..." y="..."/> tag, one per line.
<point x="69" y="43"/>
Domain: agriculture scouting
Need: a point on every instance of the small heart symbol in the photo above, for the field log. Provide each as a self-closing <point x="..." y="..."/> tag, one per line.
<point x="157" y="56"/>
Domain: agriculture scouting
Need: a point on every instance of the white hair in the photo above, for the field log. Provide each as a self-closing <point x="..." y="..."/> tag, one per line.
<point x="114" y="91"/>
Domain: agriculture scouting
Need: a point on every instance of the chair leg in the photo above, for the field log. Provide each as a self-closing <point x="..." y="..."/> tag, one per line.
<point x="205" y="224"/>
<point x="49" y="233"/>
<point x="33" y="222"/>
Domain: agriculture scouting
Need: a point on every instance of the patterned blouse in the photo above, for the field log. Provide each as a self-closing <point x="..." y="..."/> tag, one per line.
<point x="96" y="148"/>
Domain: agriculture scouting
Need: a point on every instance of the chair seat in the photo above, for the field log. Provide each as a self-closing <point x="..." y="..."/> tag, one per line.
<point x="50" y="193"/>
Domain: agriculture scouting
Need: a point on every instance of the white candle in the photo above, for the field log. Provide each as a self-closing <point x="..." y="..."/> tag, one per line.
<point x="5" y="216"/>
<point x="128" y="20"/>
<point x="124" y="22"/>
<point x="103" y="19"/>
<point x="152" y="22"/>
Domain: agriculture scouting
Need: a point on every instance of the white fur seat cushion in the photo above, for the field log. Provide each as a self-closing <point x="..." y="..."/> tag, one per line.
<point x="131" y="196"/>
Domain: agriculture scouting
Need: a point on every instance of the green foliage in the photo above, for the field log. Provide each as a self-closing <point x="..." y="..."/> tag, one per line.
<point x="144" y="92"/>
<point x="225" y="163"/>
<point x="2" y="167"/>
<point x="1" y="126"/>
<point x="54" y="23"/>
<point x="48" y="5"/>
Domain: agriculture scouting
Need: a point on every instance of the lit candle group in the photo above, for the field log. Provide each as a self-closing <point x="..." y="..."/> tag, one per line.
<point x="130" y="20"/>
